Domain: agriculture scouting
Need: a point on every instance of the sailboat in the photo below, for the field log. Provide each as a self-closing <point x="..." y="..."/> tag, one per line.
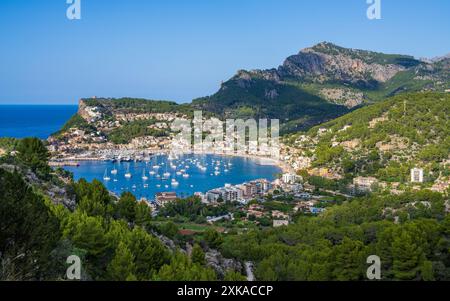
<point x="128" y="174"/>
<point x="105" y="176"/>
<point x="114" y="170"/>
<point x="144" y="176"/>
<point x="166" y="175"/>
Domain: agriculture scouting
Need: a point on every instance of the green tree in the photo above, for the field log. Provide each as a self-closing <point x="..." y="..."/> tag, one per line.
<point x="169" y="229"/>
<point x="233" y="276"/>
<point x="426" y="271"/>
<point x="406" y="256"/>
<point x="122" y="267"/>
<point x="150" y="254"/>
<point x="28" y="230"/>
<point x="126" y="207"/>
<point x="197" y="255"/>
<point x="33" y="153"/>
<point x="213" y="238"/>
<point x="143" y="215"/>
<point x="182" y="269"/>
<point x="349" y="260"/>
<point x="88" y="233"/>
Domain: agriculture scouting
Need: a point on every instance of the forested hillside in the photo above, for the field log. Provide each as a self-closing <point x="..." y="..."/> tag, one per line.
<point x="115" y="237"/>
<point x="384" y="140"/>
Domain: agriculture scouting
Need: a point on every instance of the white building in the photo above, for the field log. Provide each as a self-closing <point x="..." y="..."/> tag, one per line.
<point x="417" y="175"/>
<point x="289" y="178"/>
<point x="280" y="223"/>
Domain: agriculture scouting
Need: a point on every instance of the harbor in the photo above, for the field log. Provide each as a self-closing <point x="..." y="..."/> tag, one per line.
<point x="184" y="174"/>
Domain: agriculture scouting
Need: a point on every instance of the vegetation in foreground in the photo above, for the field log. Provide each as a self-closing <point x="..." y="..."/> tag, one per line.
<point x="116" y="237"/>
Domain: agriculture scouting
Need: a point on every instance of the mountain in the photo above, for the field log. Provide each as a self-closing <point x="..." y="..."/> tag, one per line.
<point x="321" y="83"/>
<point x="316" y="85"/>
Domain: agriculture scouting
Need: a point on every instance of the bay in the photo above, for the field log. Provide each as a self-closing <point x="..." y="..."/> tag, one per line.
<point x="218" y="171"/>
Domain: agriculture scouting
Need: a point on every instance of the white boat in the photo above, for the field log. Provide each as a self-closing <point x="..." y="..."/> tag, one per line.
<point x="186" y="176"/>
<point x="156" y="167"/>
<point x="175" y="182"/>
<point x="114" y="171"/>
<point x="105" y="176"/>
<point x="217" y="173"/>
<point x="128" y="174"/>
<point x="158" y="186"/>
<point x="144" y="176"/>
<point x="152" y="172"/>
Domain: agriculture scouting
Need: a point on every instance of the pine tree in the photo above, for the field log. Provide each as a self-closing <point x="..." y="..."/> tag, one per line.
<point x="143" y="215"/>
<point x="406" y="257"/>
<point x="126" y="207"/>
<point x="33" y="153"/>
<point x="197" y="255"/>
<point x="233" y="276"/>
<point x="349" y="260"/>
<point x="122" y="267"/>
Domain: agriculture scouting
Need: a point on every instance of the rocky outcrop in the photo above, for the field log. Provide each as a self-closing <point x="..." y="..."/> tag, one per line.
<point x="221" y="265"/>
<point x="56" y="192"/>
<point x="329" y="63"/>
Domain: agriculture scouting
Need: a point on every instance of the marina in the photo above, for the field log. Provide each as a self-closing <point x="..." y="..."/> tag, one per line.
<point x="185" y="174"/>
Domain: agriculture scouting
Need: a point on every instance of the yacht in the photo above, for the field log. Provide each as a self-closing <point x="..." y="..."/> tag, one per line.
<point x="144" y="176"/>
<point x="105" y="176"/>
<point x="186" y="176"/>
<point x="128" y="174"/>
<point x="114" y="170"/>
<point x="166" y="175"/>
<point x="175" y="182"/>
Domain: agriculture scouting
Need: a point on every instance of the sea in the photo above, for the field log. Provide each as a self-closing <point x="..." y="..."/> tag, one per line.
<point x="185" y="175"/>
<point x="20" y="121"/>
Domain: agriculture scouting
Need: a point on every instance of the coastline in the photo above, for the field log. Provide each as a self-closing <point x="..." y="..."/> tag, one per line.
<point x="75" y="160"/>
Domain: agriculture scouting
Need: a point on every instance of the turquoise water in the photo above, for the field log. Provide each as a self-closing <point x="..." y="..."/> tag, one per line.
<point x="219" y="170"/>
<point x="20" y="121"/>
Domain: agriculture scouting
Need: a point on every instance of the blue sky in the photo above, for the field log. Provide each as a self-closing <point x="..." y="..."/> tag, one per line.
<point x="182" y="49"/>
